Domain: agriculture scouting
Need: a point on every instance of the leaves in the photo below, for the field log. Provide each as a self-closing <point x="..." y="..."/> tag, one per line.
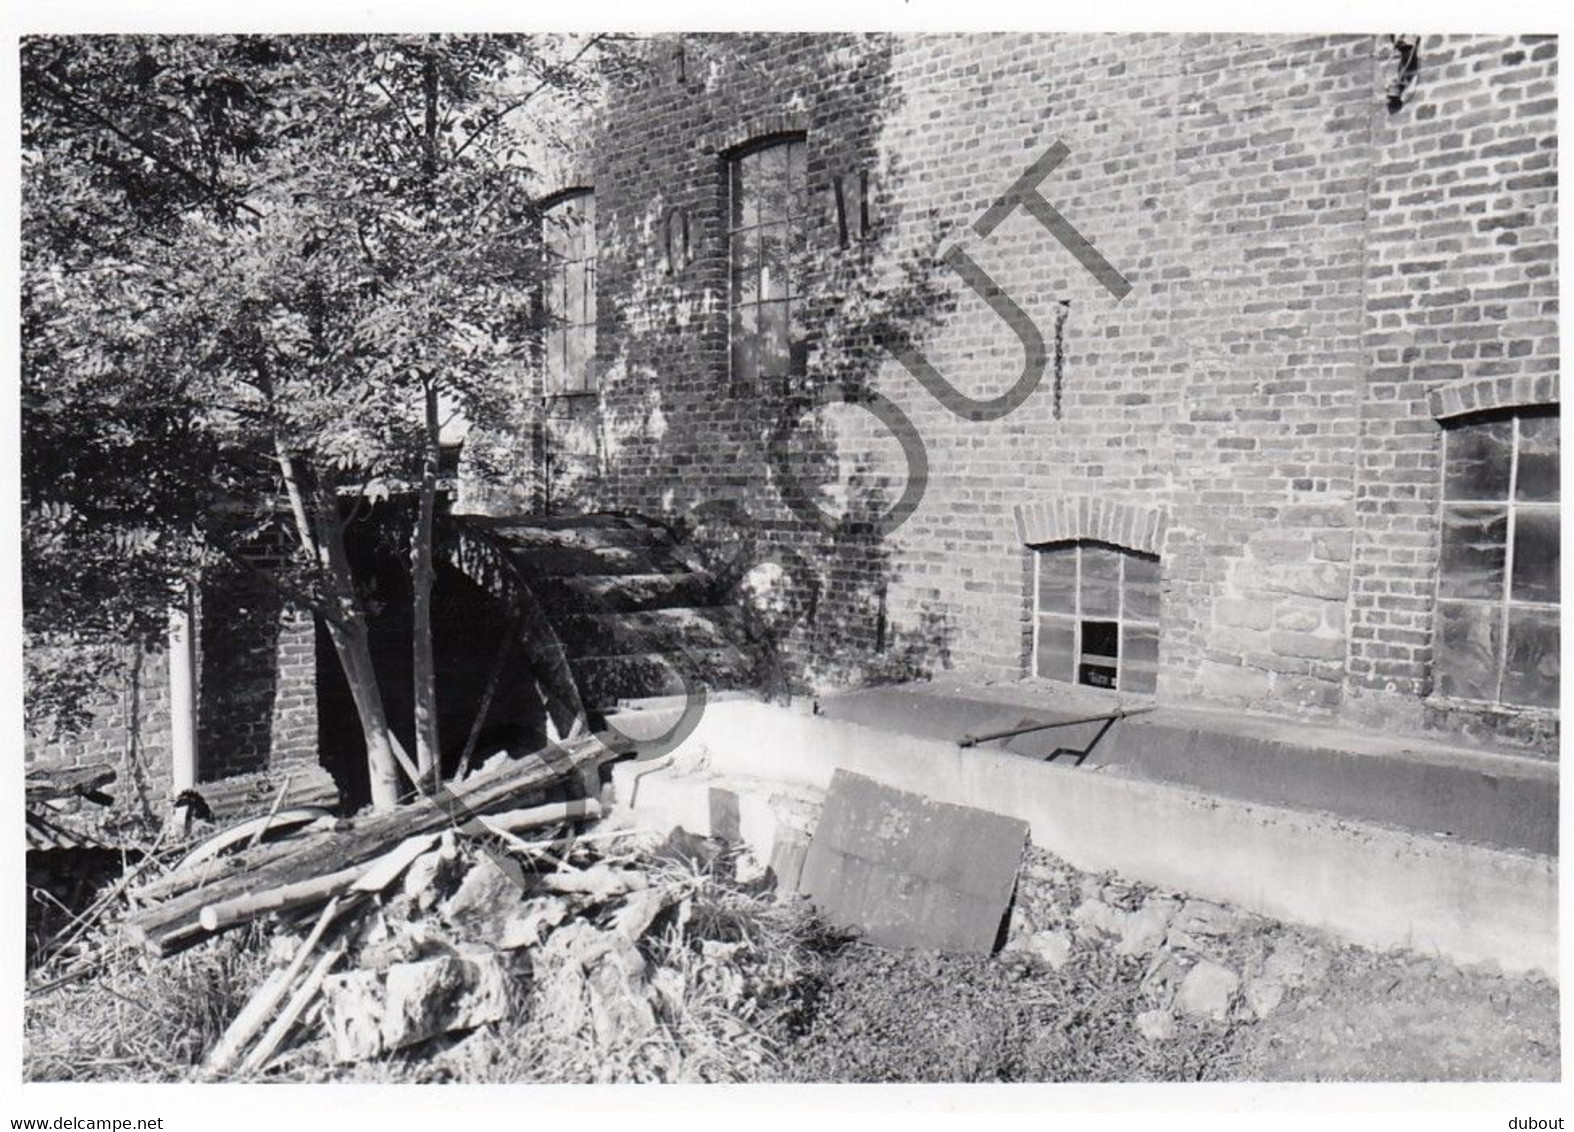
<point x="236" y="245"/>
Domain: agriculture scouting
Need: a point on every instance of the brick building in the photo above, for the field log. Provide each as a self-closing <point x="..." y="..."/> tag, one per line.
<point x="1294" y="448"/>
<point x="1341" y="255"/>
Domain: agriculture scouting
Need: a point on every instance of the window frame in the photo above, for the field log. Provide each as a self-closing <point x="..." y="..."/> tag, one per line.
<point x="796" y="223"/>
<point x="1504" y="603"/>
<point x="1120" y="619"/>
<point x="555" y="276"/>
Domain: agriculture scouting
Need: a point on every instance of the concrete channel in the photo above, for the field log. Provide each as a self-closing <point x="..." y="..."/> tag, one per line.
<point x="755" y="772"/>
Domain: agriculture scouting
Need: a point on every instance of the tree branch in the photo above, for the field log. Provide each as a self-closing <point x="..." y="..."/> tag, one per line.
<point x="71" y="100"/>
<point x="498" y="115"/>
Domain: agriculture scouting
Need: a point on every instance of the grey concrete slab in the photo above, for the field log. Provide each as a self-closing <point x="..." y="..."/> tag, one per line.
<point x="911" y="872"/>
<point x="1502" y="800"/>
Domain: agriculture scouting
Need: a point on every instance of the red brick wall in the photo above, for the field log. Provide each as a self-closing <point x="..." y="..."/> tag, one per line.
<point x="1306" y="266"/>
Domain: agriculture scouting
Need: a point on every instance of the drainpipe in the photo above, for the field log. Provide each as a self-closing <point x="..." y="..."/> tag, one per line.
<point x="182" y="699"/>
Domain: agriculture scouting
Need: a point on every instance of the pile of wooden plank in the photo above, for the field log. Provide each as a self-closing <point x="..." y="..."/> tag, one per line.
<point x="294" y="877"/>
<point x="432" y="920"/>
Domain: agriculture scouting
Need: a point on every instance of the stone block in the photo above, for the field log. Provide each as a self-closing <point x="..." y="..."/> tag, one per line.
<point x="1309" y="646"/>
<point x="368" y="1013"/>
<point x="1243" y="613"/>
<point x="1207" y="991"/>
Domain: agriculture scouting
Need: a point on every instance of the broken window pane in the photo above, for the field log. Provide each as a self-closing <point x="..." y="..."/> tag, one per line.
<point x="1468" y="650"/>
<point x="1536" y="554"/>
<point x="1056" y="658"/>
<point x="1057" y="580"/>
<point x="1100" y="581"/>
<point x="1100" y="638"/>
<point x="1538" y="459"/>
<point x="1477" y="459"/>
<point x="1473" y="552"/>
<point x="1530" y="670"/>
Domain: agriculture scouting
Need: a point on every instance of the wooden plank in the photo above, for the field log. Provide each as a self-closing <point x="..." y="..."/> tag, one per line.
<point x="175" y="924"/>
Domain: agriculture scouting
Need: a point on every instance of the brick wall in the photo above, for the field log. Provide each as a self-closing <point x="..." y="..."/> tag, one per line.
<point x="1461" y="283"/>
<point x="1307" y="265"/>
<point x="256" y="699"/>
<point x="129" y="730"/>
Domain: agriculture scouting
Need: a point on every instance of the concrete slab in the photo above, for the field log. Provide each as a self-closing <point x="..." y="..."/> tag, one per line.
<point x="1503" y="800"/>
<point x="911" y="872"/>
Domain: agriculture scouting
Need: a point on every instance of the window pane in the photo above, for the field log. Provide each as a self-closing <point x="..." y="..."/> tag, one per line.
<point x="1538" y="459"/>
<point x="587" y="371"/>
<point x="745" y="345"/>
<point x="1530" y="671"/>
<point x="1100" y="581"/>
<point x="1476" y="461"/>
<point x="574" y="294"/>
<point x="1056" y="640"/>
<point x="1473" y="552"/>
<point x="1139" y="662"/>
<point x="1536" y="554"/>
<point x="1142" y="588"/>
<point x="772" y="189"/>
<point x="1057" y="580"/>
<point x="773" y="261"/>
<point x="745" y="258"/>
<point x="576" y="359"/>
<point x="797" y="178"/>
<point x="1467" y="650"/>
<point x="774" y="353"/>
<point x="798" y="333"/>
<point x="745" y="186"/>
<point x="556" y="376"/>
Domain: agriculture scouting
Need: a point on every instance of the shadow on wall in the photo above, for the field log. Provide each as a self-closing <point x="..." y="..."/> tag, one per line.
<point x="680" y="437"/>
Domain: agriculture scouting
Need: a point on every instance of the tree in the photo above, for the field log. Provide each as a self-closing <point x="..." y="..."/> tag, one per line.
<point x="257" y="274"/>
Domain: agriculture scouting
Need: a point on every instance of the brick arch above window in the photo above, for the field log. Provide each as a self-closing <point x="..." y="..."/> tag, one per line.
<point x="737" y="137"/>
<point x="1483" y="394"/>
<point x="1086" y="517"/>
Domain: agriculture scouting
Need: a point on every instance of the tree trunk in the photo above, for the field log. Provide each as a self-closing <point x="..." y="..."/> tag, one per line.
<point x="352" y="643"/>
<point x="422" y="576"/>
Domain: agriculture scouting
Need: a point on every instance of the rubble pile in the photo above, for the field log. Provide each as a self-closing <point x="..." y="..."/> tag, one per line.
<point x="1203" y="961"/>
<point x="627" y="957"/>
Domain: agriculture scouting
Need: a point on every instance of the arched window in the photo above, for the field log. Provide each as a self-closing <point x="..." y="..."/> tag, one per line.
<point x="569" y="293"/>
<point x="1096" y="616"/>
<point x="768" y="202"/>
<point x="1497" y="592"/>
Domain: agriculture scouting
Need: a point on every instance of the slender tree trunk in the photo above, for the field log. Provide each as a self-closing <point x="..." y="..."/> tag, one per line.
<point x="422" y="576"/>
<point x="351" y="641"/>
<point x="422" y="569"/>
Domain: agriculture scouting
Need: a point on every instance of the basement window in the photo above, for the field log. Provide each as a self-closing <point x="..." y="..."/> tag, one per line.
<point x="1096" y="616"/>
<point x="1498" y="596"/>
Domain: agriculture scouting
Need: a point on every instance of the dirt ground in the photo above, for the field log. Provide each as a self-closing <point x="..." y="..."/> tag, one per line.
<point x="1101" y="980"/>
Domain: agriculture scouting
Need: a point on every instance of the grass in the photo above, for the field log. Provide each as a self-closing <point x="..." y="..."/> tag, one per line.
<point x="141" y="1019"/>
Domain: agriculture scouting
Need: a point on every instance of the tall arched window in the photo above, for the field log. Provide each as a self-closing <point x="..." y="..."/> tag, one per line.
<point x="1498" y="595"/>
<point x="768" y="203"/>
<point x="569" y="293"/>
